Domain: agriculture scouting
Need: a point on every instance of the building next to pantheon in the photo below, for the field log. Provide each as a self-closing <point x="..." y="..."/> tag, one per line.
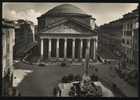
<point x="8" y="42"/>
<point x="24" y="38"/>
<point x="65" y="32"/>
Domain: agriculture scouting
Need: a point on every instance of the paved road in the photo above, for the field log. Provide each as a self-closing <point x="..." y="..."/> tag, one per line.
<point x="108" y="74"/>
<point x="39" y="81"/>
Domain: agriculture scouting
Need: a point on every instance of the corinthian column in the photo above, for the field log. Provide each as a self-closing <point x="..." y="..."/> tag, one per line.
<point x="73" y="49"/>
<point x="94" y="51"/>
<point x="65" y="48"/>
<point x="88" y="45"/>
<point x="49" y="54"/>
<point x="42" y="48"/>
<point x="81" y="48"/>
<point x="57" y="49"/>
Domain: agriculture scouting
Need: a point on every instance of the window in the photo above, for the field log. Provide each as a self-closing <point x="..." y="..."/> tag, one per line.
<point x="125" y="26"/>
<point x="124" y="33"/>
<point x="46" y="22"/>
<point x="137" y="25"/>
<point x="129" y="33"/>
<point x="127" y="42"/>
<point x="123" y="41"/>
<point x="130" y="26"/>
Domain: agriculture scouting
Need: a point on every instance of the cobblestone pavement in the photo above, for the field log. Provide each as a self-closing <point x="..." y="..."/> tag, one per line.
<point x="107" y="73"/>
<point x="41" y="80"/>
<point x="33" y="80"/>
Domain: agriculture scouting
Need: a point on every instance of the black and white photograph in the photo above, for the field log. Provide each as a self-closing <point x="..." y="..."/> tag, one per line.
<point x="67" y="49"/>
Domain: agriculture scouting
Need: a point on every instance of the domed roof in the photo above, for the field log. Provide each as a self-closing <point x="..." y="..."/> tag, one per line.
<point x="65" y="9"/>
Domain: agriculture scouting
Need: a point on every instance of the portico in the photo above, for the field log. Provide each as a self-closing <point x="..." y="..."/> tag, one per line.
<point x="68" y="47"/>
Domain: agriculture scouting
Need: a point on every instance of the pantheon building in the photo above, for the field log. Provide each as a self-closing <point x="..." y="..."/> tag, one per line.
<point x="65" y="32"/>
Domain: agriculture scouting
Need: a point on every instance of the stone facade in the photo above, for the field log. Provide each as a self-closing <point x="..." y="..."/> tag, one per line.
<point x="25" y="35"/>
<point x="110" y="39"/>
<point x="8" y="42"/>
<point x="130" y="38"/>
<point x="67" y="35"/>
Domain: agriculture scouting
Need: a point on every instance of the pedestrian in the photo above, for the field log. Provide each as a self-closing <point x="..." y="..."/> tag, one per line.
<point x="19" y="94"/>
<point x="10" y="91"/>
<point x="114" y="86"/>
<point x="15" y="91"/>
<point x="96" y="70"/>
<point x="54" y="91"/>
<point x="59" y="91"/>
<point x="96" y="78"/>
<point x="93" y="66"/>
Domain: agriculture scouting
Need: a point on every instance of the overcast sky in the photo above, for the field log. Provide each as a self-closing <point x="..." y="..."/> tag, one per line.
<point x="103" y="12"/>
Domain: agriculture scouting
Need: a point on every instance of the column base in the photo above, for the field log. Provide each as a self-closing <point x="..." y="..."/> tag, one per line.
<point x="94" y="60"/>
<point x="81" y="59"/>
<point x="73" y="59"/>
<point x="58" y="58"/>
<point x="41" y="58"/>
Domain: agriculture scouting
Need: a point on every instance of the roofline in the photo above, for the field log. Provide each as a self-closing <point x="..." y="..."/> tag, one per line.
<point x="64" y="14"/>
<point x="9" y="23"/>
<point x="76" y="22"/>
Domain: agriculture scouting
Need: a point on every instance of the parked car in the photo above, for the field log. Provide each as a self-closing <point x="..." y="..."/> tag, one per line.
<point x="107" y="61"/>
<point x="41" y="64"/>
<point x="63" y="64"/>
<point x="99" y="58"/>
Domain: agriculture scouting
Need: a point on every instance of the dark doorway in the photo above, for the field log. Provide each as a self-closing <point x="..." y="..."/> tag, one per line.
<point x="61" y="48"/>
<point x="53" y="48"/>
<point x="46" y="45"/>
<point x="69" y="48"/>
<point x="77" y="48"/>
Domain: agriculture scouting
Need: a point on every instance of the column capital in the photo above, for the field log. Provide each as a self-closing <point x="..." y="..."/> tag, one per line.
<point x="88" y="40"/>
<point x="57" y="38"/>
<point x="42" y="39"/>
<point x="49" y="38"/>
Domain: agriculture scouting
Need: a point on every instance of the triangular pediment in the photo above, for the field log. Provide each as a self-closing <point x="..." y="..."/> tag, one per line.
<point x="67" y="27"/>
